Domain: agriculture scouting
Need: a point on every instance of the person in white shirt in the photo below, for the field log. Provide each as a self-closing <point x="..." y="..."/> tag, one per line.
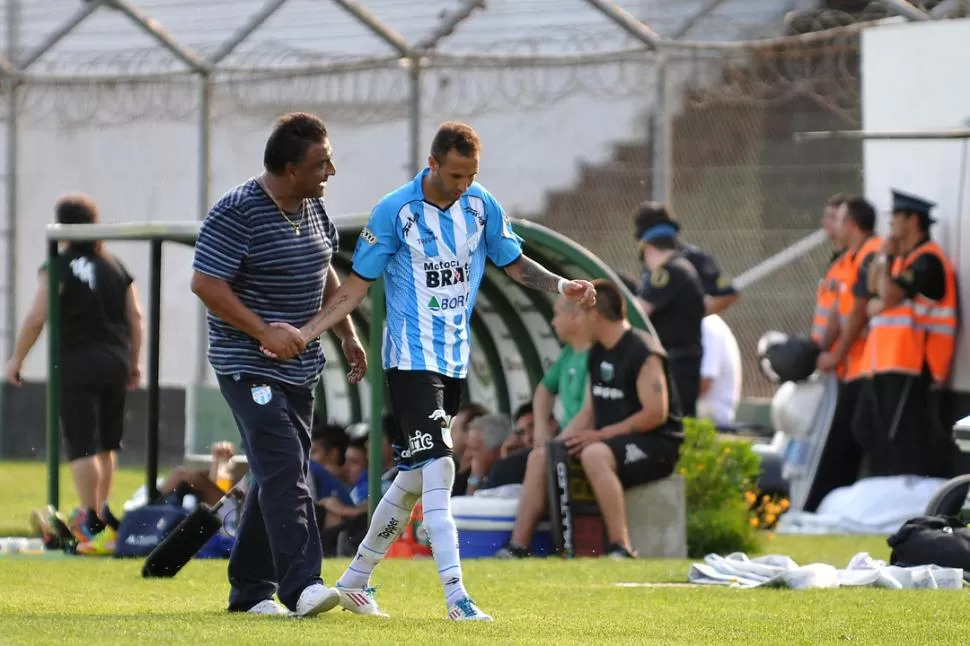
<point x="720" y="389"/>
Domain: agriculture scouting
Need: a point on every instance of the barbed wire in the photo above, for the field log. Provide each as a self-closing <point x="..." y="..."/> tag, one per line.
<point x="150" y="84"/>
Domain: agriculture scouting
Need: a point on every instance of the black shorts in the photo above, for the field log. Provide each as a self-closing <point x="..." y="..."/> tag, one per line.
<point x="93" y="411"/>
<point x="644" y="457"/>
<point x="423" y="404"/>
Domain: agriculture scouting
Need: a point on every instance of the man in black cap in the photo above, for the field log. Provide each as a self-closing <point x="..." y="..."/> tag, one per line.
<point x="909" y="350"/>
<point x="719" y="291"/>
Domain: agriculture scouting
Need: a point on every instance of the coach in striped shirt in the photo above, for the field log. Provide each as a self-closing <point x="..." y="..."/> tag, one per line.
<point x="263" y="257"/>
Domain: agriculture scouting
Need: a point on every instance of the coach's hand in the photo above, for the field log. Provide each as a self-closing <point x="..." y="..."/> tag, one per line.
<point x="282" y="341"/>
<point x="581" y="291"/>
<point x="356" y="357"/>
<point x="579" y="440"/>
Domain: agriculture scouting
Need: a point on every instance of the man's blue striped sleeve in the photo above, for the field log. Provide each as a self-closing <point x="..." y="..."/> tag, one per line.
<point x="223" y="243"/>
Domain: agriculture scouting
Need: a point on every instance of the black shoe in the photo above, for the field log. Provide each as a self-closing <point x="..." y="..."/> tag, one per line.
<point x="511" y="551"/>
<point x="615" y="551"/>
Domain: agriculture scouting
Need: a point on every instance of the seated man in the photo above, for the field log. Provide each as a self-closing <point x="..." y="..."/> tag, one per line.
<point x="328" y="446"/>
<point x="459" y="434"/>
<point x="523" y="427"/>
<point x="514" y="454"/>
<point x="628" y="432"/>
<point x="483" y="447"/>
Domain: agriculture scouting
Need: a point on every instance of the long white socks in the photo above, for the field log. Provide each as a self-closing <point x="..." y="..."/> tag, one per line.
<point x="390" y="518"/>
<point x="439" y="476"/>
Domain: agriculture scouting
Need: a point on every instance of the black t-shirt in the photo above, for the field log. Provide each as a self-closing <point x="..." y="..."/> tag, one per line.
<point x="714" y="281"/>
<point x="677" y="296"/>
<point x="613" y="376"/>
<point x="94" y="293"/>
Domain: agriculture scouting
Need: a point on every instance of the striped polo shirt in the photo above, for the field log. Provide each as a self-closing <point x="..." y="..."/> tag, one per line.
<point x="245" y="241"/>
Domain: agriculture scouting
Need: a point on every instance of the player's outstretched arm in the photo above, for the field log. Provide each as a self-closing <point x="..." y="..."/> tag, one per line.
<point x="528" y="273"/>
<point x="338" y="307"/>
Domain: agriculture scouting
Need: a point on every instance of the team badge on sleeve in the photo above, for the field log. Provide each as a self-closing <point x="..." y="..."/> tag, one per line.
<point x="368" y="236"/>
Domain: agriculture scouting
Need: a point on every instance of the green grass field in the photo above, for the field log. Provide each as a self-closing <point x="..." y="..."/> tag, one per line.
<point x="105" y="601"/>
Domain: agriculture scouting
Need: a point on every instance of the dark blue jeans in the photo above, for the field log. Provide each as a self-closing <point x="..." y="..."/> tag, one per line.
<point x="277" y="545"/>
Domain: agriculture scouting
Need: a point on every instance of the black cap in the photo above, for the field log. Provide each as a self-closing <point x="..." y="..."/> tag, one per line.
<point x="912" y="204"/>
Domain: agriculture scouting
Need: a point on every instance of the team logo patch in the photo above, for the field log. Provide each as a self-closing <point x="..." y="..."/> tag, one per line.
<point x="262" y="395"/>
<point x="659" y="278"/>
<point x="368" y="236"/>
<point x="606" y="371"/>
<point x="723" y="281"/>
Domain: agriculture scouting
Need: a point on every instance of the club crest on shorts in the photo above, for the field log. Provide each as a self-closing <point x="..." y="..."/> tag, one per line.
<point x="262" y="395"/>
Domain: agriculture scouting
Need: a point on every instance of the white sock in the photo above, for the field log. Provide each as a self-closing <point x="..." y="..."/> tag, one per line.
<point x="439" y="476"/>
<point x="390" y="518"/>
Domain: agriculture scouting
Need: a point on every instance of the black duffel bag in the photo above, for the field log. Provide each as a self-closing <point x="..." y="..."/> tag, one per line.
<point x="931" y="540"/>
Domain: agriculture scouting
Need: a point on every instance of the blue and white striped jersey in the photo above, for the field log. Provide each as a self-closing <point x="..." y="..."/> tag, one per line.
<point x="433" y="261"/>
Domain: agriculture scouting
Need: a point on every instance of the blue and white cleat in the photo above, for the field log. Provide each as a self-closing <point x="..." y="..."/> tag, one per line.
<point x="360" y="601"/>
<point x="466" y="610"/>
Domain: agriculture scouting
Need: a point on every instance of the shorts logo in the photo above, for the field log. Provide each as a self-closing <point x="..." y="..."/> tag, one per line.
<point x="262" y="395"/>
<point x="368" y="236"/>
<point x="444" y="419"/>
<point x="419" y="443"/>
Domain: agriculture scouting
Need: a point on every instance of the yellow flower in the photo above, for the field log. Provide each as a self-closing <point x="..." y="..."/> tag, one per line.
<point x="784" y="504"/>
<point x="770" y="519"/>
<point x="770" y="535"/>
<point x="750" y="497"/>
<point x="753" y="522"/>
<point x="765" y="499"/>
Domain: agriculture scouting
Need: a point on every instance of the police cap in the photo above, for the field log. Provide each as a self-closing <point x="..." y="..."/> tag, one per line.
<point x="912" y="204"/>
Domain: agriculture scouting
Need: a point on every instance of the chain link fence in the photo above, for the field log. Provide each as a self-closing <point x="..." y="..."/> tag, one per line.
<point x="572" y="121"/>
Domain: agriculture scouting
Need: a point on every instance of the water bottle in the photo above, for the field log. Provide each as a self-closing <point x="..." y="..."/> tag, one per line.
<point x="795" y="457"/>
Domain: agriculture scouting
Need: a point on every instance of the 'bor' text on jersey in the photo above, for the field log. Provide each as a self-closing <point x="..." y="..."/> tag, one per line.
<point x="445" y="273"/>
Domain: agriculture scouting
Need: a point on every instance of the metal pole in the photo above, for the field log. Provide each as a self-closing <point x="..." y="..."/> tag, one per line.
<point x="12" y="82"/>
<point x="53" y="375"/>
<point x="658" y="134"/>
<point x="375" y="444"/>
<point x="154" y="334"/>
<point x="415" y="116"/>
<point x="816" y="135"/>
<point x="205" y="181"/>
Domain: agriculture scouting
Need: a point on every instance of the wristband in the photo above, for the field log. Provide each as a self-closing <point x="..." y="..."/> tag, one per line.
<point x="562" y="285"/>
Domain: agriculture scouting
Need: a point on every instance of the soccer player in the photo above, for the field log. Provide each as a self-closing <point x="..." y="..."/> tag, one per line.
<point x="430" y="239"/>
<point x="263" y="256"/>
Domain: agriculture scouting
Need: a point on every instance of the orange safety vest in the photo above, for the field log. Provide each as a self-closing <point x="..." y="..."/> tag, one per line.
<point x="825" y="299"/>
<point x="852" y="366"/>
<point x="919" y="333"/>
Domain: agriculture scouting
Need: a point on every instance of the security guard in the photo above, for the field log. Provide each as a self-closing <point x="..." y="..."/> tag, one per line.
<point x="824" y="329"/>
<point x="673" y="298"/>
<point x="909" y="349"/>
<point x="720" y="292"/>
<point x="841" y="457"/>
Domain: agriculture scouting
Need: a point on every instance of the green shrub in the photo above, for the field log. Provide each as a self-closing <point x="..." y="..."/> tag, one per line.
<point x="717" y="474"/>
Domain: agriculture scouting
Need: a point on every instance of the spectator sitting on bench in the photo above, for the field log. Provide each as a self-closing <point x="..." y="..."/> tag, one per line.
<point x="459" y="435"/>
<point x="209" y="486"/>
<point x="483" y="446"/>
<point x="514" y="454"/>
<point x="328" y="446"/>
<point x="628" y="432"/>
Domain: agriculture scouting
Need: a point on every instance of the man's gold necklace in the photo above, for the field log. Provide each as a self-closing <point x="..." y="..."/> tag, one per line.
<point x="295" y="225"/>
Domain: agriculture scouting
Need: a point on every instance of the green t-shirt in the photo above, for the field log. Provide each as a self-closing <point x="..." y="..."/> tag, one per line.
<point x="566" y="378"/>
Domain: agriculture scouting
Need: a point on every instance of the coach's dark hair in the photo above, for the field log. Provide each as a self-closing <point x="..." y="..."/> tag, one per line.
<point x="862" y="213"/>
<point x="293" y="135"/>
<point x="609" y="301"/>
<point x="457" y="136"/>
<point x="78" y="208"/>
<point x="650" y="214"/>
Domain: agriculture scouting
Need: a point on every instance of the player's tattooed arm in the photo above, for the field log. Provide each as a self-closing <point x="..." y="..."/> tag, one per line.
<point x="338" y="306"/>
<point x="528" y="273"/>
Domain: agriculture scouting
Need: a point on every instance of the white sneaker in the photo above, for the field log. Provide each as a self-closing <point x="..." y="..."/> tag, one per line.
<point x="268" y="607"/>
<point x="466" y="610"/>
<point x="316" y="599"/>
<point x="360" y="601"/>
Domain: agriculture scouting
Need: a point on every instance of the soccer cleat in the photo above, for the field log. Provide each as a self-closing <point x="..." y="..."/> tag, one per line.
<point x="62" y="529"/>
<point x="618" y="552"/>
<point x="268" y="607"/>
<point x="78" y="523"/>
<point x="103" y="544"/>
<point x="511" y="551"/>
<point x="316" y="599"/>
<point x="360" y="601"/>
<point x="466" y="610"/>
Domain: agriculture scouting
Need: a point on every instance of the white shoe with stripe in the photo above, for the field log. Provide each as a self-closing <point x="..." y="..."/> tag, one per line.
<point x="360" y="601"/>
<point x="466" y="610"/>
